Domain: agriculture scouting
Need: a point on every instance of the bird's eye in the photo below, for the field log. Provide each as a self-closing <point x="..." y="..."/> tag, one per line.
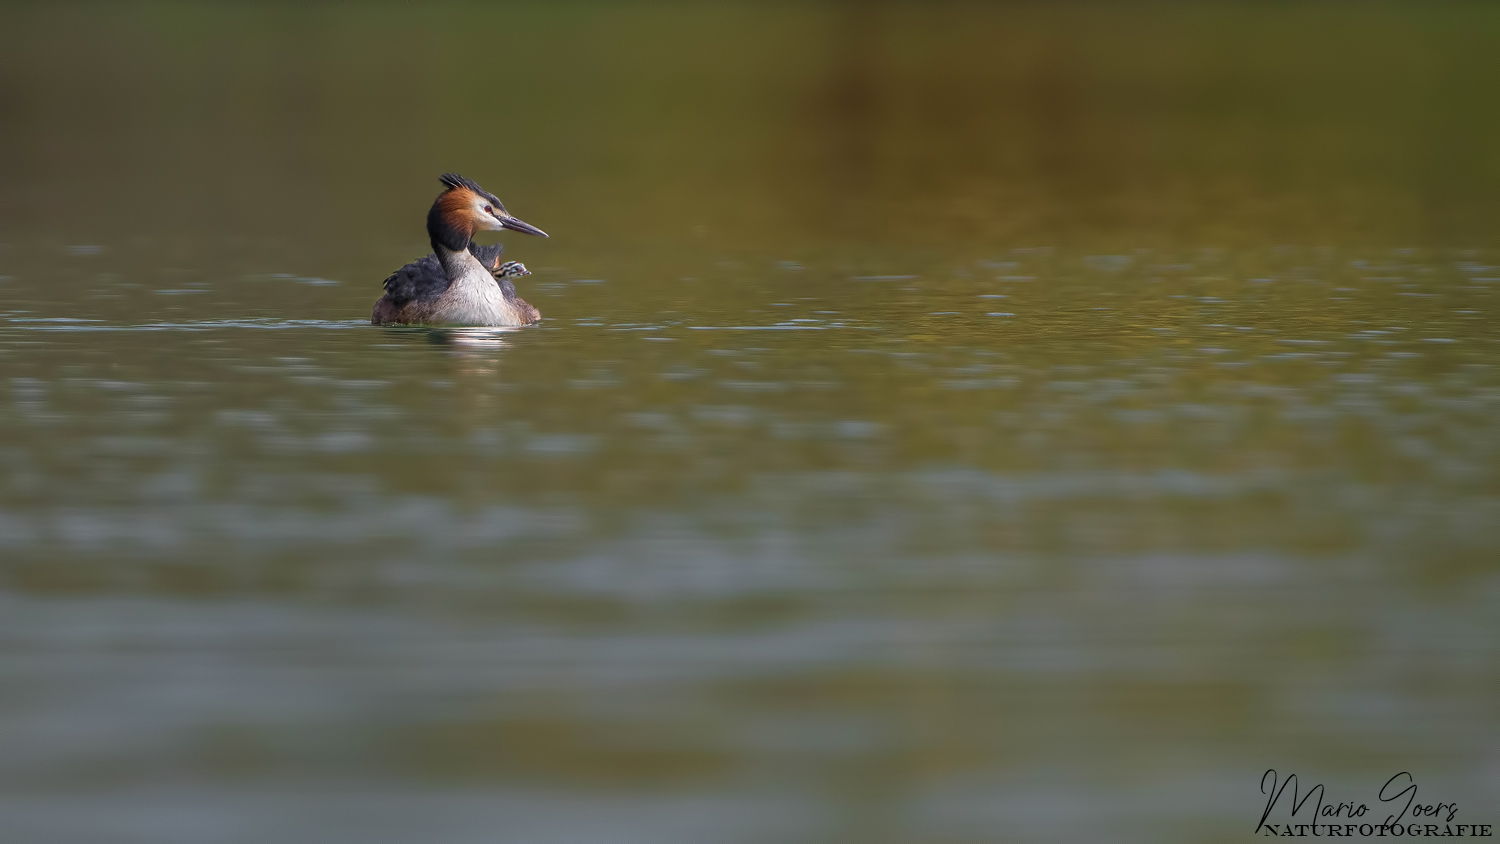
<point x="488" y="210"/>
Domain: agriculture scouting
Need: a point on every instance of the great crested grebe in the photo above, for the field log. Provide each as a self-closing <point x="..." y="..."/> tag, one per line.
<point x="461" y="283"/>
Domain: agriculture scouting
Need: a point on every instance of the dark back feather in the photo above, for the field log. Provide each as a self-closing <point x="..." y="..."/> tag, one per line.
<point x="487" y="255"/>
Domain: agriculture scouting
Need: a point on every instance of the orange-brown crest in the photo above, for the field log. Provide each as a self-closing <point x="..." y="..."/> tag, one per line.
<point x="458" y="208"/>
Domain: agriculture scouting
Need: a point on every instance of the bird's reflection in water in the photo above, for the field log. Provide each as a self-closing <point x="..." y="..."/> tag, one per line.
<point x="464" y="340"/>
<point x="478" y="352"/>
<point x="478" y="349"/>
<point x="474" y="338"/>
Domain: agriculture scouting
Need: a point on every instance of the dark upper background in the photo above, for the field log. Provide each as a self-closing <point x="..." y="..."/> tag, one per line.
<point x="744" y="124"/>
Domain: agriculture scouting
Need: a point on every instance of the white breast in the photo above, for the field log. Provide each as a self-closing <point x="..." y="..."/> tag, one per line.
<point x="475" y="299"/>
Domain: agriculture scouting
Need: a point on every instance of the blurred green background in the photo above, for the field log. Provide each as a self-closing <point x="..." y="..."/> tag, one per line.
<point x="788" y="124"/>
<point x="951" y="422"/>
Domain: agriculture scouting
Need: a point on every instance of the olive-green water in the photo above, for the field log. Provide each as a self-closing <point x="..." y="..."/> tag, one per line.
<point x="950" y="423"/>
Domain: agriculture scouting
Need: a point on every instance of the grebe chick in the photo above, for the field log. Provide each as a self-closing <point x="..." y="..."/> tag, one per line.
<point x="461" y="283"/>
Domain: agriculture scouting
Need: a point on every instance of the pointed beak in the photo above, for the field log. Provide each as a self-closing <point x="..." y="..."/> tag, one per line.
<point x="515" y="225"/>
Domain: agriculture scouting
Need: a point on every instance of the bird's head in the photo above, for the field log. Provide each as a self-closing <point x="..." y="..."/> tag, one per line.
<point x="465" y="208"/>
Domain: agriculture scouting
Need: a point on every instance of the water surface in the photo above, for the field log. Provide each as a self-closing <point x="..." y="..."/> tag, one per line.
<point x="949" y="423"/>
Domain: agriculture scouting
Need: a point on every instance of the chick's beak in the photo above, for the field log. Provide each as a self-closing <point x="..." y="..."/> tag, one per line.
<point x="509" y="222"/>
